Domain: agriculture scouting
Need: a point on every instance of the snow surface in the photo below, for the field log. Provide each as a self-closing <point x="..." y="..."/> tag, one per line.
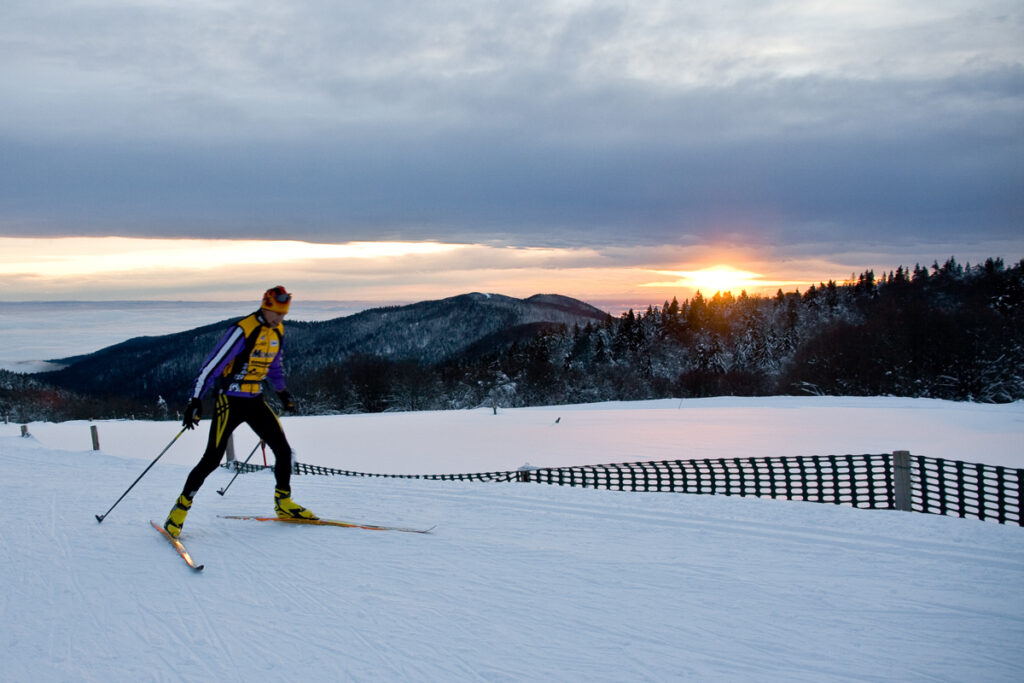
<point x="519" y="582"/>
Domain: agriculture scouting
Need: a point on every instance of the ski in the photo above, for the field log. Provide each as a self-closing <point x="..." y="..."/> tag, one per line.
<point x="328" y="522"/>
<point x="179" y="546"/>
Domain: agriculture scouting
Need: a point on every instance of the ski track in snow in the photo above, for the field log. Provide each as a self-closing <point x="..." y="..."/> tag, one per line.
<point x="519" y="582"/>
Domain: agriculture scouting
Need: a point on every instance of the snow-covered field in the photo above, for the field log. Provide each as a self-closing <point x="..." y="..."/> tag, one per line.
<point x="519" y="582"/>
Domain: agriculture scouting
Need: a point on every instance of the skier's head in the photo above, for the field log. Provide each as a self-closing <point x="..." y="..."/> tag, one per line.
<point x="277" y="300"/>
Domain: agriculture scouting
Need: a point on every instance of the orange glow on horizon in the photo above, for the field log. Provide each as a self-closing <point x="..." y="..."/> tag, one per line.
<point x="721" y="278"/>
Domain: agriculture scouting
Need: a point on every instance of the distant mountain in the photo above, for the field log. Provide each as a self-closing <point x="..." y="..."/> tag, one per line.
<point x="428" y="332"/>
<point x="431" y="331"/>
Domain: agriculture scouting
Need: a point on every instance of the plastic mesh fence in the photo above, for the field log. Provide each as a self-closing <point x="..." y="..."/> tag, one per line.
<point x="945" y="487"/>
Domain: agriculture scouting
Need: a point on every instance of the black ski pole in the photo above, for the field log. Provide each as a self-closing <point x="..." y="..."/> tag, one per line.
<point x="100" y="518"/>
<point x="238" y="470"/>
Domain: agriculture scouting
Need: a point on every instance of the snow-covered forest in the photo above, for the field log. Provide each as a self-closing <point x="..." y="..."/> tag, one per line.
<point x="953" y="332"/>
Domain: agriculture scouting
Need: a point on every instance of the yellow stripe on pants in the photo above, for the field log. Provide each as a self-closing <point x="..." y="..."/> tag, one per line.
<point x="221" y="415"/>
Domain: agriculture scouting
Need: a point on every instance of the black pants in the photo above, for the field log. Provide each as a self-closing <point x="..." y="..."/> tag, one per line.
<point x="230" y="412"/>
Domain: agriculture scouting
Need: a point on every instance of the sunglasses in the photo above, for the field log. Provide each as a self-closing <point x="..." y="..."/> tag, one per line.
<point x="281" y="296"/>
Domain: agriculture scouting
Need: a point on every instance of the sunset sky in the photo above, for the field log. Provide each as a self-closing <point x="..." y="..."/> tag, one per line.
<point x="393" y="152"/>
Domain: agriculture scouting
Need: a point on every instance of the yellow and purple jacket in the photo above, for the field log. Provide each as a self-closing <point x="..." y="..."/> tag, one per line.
<point x="248" y="353"/>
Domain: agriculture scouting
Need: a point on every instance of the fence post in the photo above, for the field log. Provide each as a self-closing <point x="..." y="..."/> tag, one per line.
<point x="231" y="448"/>
<point x="95" y="437"/>
<point x="523" y="473"/>
<point x="902" y="499"/>
<point x="24" y="430"/>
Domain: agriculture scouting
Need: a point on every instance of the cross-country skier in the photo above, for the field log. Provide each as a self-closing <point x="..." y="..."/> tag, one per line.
<point x="248" y="353"/>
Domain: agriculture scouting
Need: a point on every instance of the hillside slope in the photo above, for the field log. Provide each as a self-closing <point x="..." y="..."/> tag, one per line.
<point x="517" y="583"/>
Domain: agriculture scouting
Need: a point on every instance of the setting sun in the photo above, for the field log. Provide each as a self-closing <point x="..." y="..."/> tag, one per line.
<point x="721" y="279"/>
<point x="716" y="279"/>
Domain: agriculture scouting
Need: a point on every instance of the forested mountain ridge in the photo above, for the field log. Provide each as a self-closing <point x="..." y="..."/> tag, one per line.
<point x="428" y="332"/>
<point x="952" y="331"/>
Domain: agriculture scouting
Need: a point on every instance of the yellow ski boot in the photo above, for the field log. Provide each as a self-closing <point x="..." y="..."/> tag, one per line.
<point x="288" y="508"/>
<point x="176" y="519"/>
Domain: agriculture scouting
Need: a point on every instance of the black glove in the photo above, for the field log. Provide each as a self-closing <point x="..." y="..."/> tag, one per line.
<point x="286" y="401"/>
<point x="193" y="412"/>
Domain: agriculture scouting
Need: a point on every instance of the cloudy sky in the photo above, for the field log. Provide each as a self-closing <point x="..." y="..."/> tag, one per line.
<point x="393" y="151"/>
